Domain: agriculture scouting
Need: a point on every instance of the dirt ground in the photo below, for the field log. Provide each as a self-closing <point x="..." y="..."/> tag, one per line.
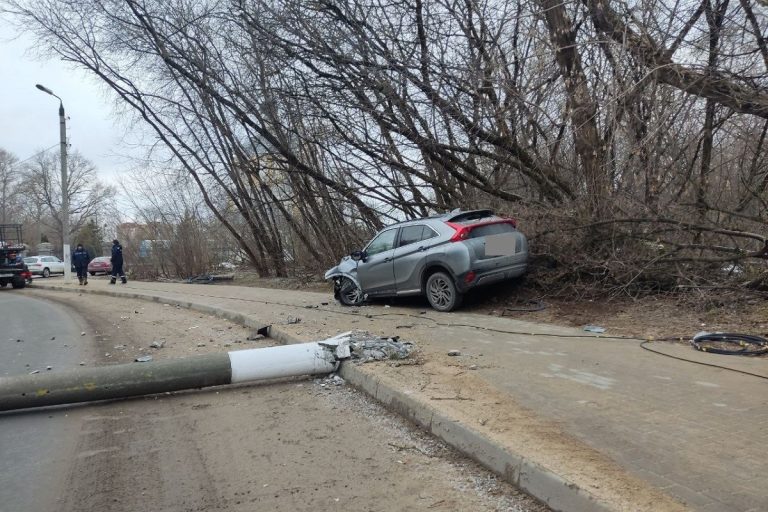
<point x="287" y="446"/>
<point x="661" y="316"/>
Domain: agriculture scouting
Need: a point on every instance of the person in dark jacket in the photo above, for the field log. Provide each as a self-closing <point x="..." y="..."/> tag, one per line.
<point x="80" y="259"/>
<point x="117" y="263"/>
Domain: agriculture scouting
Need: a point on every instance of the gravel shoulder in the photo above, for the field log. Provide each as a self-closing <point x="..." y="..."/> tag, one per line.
<point x="292" y="445"/>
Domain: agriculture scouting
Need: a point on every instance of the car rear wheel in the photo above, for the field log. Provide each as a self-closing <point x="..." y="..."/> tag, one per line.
<point x="441" y="292"/>
<point x="46" y="272"/>
<point x="349" y="293"/>
<point x="19" y="283"/>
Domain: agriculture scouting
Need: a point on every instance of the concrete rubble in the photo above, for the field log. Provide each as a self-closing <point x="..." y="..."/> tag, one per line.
<point x="363" y="347"/>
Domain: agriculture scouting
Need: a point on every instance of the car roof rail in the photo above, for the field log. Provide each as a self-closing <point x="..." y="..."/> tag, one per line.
<point x="469" y="215"/>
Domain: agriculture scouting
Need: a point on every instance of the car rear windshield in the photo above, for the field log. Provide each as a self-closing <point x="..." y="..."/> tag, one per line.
<point x="491" y="229"/>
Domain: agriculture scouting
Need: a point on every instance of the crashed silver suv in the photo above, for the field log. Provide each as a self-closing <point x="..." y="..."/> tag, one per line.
<point x="441" y="257"/>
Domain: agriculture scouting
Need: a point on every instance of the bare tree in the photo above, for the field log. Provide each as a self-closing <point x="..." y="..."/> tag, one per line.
<point x="628" y="137"/>
<point x="88" y="197"/>
<point x="9" y="183"/>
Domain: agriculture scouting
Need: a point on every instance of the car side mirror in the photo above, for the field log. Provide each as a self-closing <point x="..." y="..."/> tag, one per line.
<point x="358" y="256"/>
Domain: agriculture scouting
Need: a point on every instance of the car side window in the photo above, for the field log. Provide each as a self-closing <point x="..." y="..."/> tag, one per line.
<point x="413" y="234"/>
<point x="410" y="235"/>
<point x="428" y="233"/>
<point x="384" y="242"/>
<point x="47" y="259"/>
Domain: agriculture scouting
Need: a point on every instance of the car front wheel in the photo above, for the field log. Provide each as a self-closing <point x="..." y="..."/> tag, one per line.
<point x="442" y="293"/>
<point x="46" y="272"/>
<point x="349" y="293"/>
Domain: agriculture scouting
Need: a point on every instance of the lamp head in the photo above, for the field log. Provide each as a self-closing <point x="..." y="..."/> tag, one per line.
<point x="44" y="89"/>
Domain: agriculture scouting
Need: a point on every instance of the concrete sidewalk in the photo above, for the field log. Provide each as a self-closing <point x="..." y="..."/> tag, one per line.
<point x="614" y="411"/>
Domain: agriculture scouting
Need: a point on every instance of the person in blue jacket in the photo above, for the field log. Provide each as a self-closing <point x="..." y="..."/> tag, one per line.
<point x="80" y="259"/>
<point x="117" y="263"/>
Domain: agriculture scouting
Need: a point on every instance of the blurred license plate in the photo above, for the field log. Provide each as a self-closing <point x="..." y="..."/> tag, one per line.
<point x="500" y="245"/>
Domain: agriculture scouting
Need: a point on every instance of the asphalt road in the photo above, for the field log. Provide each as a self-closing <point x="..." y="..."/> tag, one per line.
<point x="36" y="447"/>
<point x="293" y="446"/>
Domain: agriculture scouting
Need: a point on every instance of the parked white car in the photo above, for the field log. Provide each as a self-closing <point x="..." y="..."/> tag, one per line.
<point x="44" y="265"/>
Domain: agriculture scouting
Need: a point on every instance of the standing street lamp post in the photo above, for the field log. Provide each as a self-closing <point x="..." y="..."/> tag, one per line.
<point x="64" y="186"/>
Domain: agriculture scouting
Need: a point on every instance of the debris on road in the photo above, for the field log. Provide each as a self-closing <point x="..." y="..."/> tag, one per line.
<point x="364" y="347"/>
<point x="332" y="379"/>
<point x="157" y="344"/>
<point x="82" y="333"/>
<point x="143" y="359"/>
<point x="259" y="334"/>
<point x="34" y="372"/>
<point x="292" y="320"/>
<point x="594" y="328"/>
<point x="454" y="353"/>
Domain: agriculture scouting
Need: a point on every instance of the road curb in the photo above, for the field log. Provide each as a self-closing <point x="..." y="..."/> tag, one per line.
<point x="532" y="478"/>
<point x="546" y="485"/>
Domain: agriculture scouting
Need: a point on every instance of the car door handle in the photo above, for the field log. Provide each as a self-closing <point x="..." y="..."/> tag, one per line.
<point x="387" y="259"/>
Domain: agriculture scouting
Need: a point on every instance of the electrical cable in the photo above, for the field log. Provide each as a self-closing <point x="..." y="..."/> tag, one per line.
<point x="730" y="344"/>
<point x="643" y="344"/>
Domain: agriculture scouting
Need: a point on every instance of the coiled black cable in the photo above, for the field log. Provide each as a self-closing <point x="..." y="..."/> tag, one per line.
<point x="730" y="344"/>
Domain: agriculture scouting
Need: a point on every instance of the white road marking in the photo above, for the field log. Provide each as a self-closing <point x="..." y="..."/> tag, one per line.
<point x="582" y="377"/>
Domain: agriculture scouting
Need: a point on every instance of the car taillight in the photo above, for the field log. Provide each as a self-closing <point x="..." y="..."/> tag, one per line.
<point x="26" y="275"/>
<point x="462" y="232"/>
<point x="470" y="277"/>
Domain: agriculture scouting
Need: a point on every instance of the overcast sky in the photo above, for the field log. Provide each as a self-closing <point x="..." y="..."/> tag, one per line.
<point x="29" y="118"/>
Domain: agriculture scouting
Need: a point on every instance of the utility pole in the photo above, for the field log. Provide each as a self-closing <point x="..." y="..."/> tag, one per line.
<point x="66" y="253"/>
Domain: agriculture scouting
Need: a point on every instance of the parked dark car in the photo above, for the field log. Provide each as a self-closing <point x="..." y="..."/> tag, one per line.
<point x="100" y="265"/>
<point x="441" y="257"/>
<point x="13" y="270"/>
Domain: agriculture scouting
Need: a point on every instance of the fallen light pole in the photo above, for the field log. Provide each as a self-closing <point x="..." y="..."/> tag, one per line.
<point x="136" y="379"/>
